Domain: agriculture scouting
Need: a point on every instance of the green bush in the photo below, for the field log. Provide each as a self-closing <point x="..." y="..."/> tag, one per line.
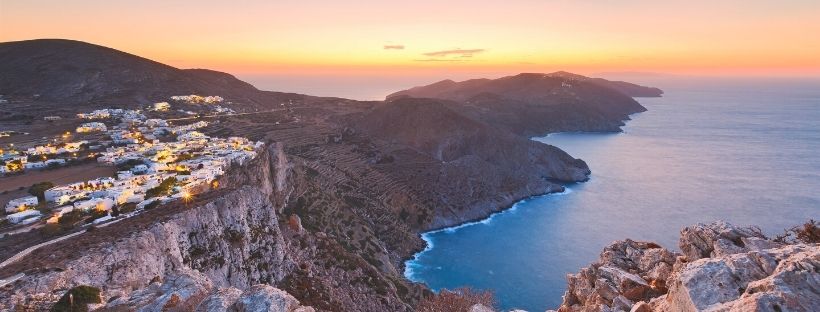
<point x="163" y="189"/>
<point x="77" y="299"/>
<point x="39" y="189"/>
<point x="151" y="205"/>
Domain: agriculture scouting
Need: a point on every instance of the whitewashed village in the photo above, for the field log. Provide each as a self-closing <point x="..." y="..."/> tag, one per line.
<point x="156" y="162"/>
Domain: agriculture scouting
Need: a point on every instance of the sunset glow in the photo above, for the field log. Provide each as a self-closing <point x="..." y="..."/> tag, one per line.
<point x="377" y="37"/>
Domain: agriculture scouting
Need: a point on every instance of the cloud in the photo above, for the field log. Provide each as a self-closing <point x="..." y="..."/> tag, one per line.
<point x="455" y="52"/>
<point x="438" y="60"/>
<point x="394" y="47"/>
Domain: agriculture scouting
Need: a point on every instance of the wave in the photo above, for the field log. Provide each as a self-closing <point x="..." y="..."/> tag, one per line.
<point x="413" y="264"/>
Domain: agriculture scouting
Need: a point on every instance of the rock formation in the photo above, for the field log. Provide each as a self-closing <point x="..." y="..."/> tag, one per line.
<point x="723" y="268"/>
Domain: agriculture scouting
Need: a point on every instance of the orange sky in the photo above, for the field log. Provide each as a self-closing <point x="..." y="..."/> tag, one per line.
<point x="422" y="37"/>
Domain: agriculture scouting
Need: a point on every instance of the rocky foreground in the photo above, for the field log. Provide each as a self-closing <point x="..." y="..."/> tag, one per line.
<point x="722" y="267"/>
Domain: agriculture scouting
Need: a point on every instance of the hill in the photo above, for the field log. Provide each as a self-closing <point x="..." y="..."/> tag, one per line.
<point x="74" y="72"/>
<point x="534" y="104"/>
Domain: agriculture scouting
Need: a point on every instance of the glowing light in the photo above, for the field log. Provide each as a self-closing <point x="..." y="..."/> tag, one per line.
<point x="187" y="196"/>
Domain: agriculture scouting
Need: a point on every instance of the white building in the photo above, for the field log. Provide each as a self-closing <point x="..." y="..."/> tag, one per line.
<point x="161" y="106"/>
<point x="95" y="203"/>
<point x="26" y="216"/>
<point x="22" y="203"/>
<point x="91" y="127"/>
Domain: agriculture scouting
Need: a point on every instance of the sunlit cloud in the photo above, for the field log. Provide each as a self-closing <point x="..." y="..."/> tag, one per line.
<point x="438" y="60"/>
<point x="455" y="52"/>
<point x="394" y="47"/>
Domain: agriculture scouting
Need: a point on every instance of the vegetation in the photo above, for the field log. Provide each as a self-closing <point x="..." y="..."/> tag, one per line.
<point x="77" y="299"/>
<point x="69" y="219"/>
<point x="808" y="233"/>
<point x="151" y="205"/>
<point x="163" y="189"/>
<point x="39" y="189"/>
<point x="127" y="165"/>
<point x="457" y="300"/>
<point x="185" y="156"/>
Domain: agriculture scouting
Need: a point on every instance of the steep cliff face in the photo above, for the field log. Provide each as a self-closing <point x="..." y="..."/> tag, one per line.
<point x="233" y="240"/>
<point x="232" y="249"/>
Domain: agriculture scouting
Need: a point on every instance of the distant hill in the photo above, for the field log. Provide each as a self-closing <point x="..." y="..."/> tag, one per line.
<point x="74" y="72"/>
<point x="534" y="104"/>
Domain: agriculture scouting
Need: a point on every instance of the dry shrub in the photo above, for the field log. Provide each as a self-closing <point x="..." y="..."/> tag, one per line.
<point x="808" y="233"/>
<point x="457" y="300"/>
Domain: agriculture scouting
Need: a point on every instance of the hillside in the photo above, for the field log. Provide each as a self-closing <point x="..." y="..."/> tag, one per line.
<point x="75" y="72"/>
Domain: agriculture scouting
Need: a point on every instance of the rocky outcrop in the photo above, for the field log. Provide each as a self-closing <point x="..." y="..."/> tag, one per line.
<point x="723" y="268"/>
<point x="627" y="272"/>
<point x="192" y="291"/>
<point x="785" y="278"/>
<point x="719" y="239"/>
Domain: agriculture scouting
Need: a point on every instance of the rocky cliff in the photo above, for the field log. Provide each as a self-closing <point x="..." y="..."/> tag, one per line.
<point x="722" y="267"/>
<point x="229" y="250"/>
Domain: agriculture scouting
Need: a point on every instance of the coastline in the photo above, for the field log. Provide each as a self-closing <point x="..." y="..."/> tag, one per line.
<point x="410" y="264"/>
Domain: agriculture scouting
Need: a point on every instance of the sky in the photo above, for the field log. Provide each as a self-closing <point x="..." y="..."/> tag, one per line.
<point x="407" y="38"/>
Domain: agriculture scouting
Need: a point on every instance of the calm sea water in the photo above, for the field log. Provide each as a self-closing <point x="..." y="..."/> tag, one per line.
<point x="745" y="151"/>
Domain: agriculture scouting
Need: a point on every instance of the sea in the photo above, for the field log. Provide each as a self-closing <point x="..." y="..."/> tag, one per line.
<point x="746" y="151"/>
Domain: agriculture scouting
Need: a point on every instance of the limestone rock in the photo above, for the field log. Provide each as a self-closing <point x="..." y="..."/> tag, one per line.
<point x="724" y="268"/>
<point x="715" y="239"/>
<point x="641" y="307"/>
<point x="627" y="271"/>
<point x="220" y="300"/>
<point x="780" y="279"/>
<point x="261" y="298"/>
<point x="480" y="308"/>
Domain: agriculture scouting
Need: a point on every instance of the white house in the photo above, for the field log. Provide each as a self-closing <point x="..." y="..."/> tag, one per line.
<point x="35" y="165"/>
<point x="162" y="106"/>
<point x="22" y="216"/>
<point x="95" y="203"/>
<point x="91" y="127"/>
<point x="21" y="204"/>
<point x="62" y="194"/>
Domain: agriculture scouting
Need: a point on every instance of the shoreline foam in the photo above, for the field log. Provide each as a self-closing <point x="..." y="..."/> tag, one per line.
<point x="411" y="264"/>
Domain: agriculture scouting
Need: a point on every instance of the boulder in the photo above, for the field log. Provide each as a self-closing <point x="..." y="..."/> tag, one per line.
<point x="265" y="298"/>
<point x="781" y="279"/>
<point x="180" y="292"/>
<point x="716" y="239"/>
<point x="220" y="300"/>
<point x="480" y="308"/>
<point x="626" y="271"/>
